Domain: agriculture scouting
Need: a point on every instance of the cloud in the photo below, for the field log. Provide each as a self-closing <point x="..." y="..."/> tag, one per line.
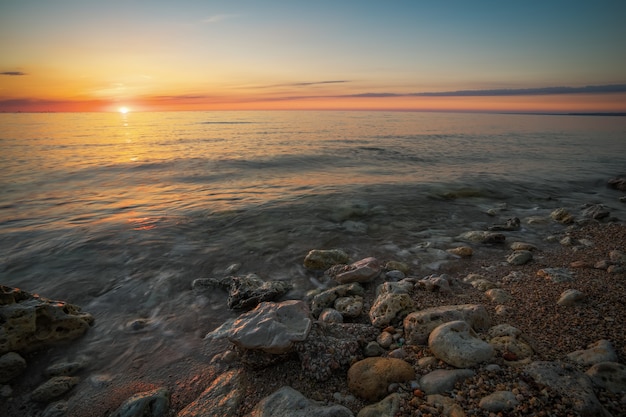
<point x="13" y="73"/>
<point x="219" y="18"/>
<point x="303" y="84"/>
<point x="590" y="89"/>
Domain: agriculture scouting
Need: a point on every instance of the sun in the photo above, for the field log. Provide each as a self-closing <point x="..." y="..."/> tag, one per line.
<point x="123" y="110"/>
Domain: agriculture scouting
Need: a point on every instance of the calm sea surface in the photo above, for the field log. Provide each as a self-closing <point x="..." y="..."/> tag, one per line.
<point x="120" y="213"/>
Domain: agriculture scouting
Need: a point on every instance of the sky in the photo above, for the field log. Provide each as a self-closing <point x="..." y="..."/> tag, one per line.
<point x="444" y="55"/>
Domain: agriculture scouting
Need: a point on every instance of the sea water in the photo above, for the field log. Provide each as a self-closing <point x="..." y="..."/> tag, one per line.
<point x="119" y="213"/>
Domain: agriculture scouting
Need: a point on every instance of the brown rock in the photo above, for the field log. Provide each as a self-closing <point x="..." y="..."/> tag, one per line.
<point x="462" y="251"/>
<point x="369" y="378"/>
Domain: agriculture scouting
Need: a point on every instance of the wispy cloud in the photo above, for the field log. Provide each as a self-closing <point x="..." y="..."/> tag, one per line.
<point x="13" y="73"/>
<point x="302" y="84"/>
<point x="219" y="18"/>
<point x="590" y="89"/>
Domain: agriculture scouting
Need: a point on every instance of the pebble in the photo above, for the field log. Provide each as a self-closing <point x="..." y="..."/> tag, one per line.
<point x="53" y="388"/>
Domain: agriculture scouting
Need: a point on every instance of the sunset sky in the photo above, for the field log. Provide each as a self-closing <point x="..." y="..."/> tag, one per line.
<point x="94" y="55"/>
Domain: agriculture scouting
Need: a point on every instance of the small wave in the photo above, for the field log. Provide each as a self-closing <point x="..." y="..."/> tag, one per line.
<point x="225" y="122"/>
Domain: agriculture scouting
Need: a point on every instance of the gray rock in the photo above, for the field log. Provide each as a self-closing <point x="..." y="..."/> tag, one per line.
<point x="11" y="365"/>
<point x="395" y="275"/>
<point x="327" y="298"/>
<point x="595" y="211"/>
<point x="443" y="380"/>
<point x="362" y="271"/>
<point x="154" y="403"/>
<point x="287" y="402"/>
<point x="511" y="348"/>
<point x="373" y="349"/>
<point x="389" y="306"/>
<point x="270" y="327"/>
<point x="64" y="368"/>
<point x="222" y="398"/>
<point x="570" y="297"/>
<point x="53" y="388"/>
<point x="520" y="257"/>
<point x="30" y="322"/>
<point x="498" y="295"/>
<point x="56" y="409"/>
<point x="387" y="407"/>
<point x="480" y="236"/>
<point x="324" y="259"/>
<point x="556" y="275"/>
<point x="350" y="307"/>
<point x="435" y="284"/>
<point x="248" y="291"/>
<point x="600" y="351"/>
<point x="419" y="324"/>
<point x="609" y="375"/>
<point x="499" y="401"/>
<point x="458" y="345"/>
<point x="510" y="225"/>
<point x="330" y="315"/>
<point x="568" y="382"/>
<point x="561" y="215"/>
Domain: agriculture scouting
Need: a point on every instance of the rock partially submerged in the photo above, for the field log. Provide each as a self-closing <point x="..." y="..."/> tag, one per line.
<point x="287" y="402"/>
<point x="244" y="292"/>
<point x="29" y="322"/>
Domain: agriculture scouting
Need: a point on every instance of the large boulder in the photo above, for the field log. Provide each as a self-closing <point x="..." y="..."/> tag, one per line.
<point x="458" y="345"/>
<point x="419" y="324"/>
<point x="29" y="322"/>
<point x="270" y="327"/>
<point x="370" y="377"/>
<point x="287" y="402"/>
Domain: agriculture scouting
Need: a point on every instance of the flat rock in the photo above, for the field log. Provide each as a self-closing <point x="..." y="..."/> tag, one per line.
<point x="387" y="407"/>
<point x="520" y="257"/>
<point x="53" y="388"/>
<point x="248" y="291"/>
<point x="287" y="402"/>
<point x="324" y="259"/>
<point x="29" y="322"/>
<point x="522" y="246"/>
<point x="154" y="403"/>
<point x="11" y="365"/>
<point x="443" y="380"/>
<point x="511" y="348"/>
<point x="370" y="377"/>
<point x="608" y="375"/>
<point x="498" y="295"/>
<point x="271" y="327"/>
<point x="481" y="236"/>
<point x="222" y="398"/>
<point x="499" y="401"/>
<point x="419" y="324"/>
<point x="362" y="271"/>
<point x="600" y="351"/>
<point x="556" y="275"/>
<point x="570" y="297"/>
<point x="462" y="251"/>
<point x="561" y="215"/>
<point x="458" y="345"/>
<point x="568" y="382"/>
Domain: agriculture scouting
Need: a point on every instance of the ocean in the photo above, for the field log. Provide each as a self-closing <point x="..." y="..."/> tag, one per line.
<point x="119" y="213"/>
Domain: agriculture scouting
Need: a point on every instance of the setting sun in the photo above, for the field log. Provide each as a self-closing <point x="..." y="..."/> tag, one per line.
<point x="123" y="110"/>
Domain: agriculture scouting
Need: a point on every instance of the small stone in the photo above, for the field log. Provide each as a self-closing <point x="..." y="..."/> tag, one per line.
<point x="498" y="296"/>
<point x="520" y="257"/>
<point x="522" y="246"/>
<point x="373" y="349"/>
<point x="64" y="368"/>
<point x="11" y="365"/>
<point x="385" y="339"/>
<point x="56" y="409"/>
<point x="419" y="324"/>
<point x="603" y="264"/>
<point x="600" y="351"/>
<point x="370" y="377"/>
<point x="395" y="275"/>
<point x="330" y="315"/>
<point x="462" y="251"/>
<point x="570" y="297"/>
<point x="324" y="259"/>
<point x="556" y="275"/>
<point x="362" y="271"/>
<point x="154" y="403"/>
<point x="443" y="380"/>
<point x="396" y="265"/>
<point x="458" y="345"/>
<point x="616" y="269"/>
<point x="388" y="407"/>
<point x="499" y="401"/>
<point x="617" y="256"/>
<point x="609" y="375"/>
<point x="562" y="216"/>
<point x="580" y="264"/>
<point x="389" y="305"/>
<point x="53" y="388"/>
<point x="349" y="306"/>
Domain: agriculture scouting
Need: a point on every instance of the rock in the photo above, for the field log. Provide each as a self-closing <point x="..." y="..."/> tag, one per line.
<point x="204" y="285"/>
<point x="385" y="339"/>
<point x="154" y="403"/>
<point x="331" y="347"/>
<point x="287" y="402"/>
<point x="435" y="284"/>
<point x="522" y="246"/>
<point x="458" y="345"/>
<point x="55" y="409"/>
<point x="480" y="236"/>
<point x="373" y="349"/>
<point x="354" y="227"/>
<point x="270" y="327"/>
<point x="397" y="265"/>
<point x="567" y="381"/>
<point x="394" y="275"/>
<point x="324" y="259"/>
<point x="327" y="298"/>
<point x="418" y="325"/>
<point x="596" y="212"/>
<point x="30" y="322"/>
<point x="510" y="225"/>
<point x="556" y="275"/>
<point x="617" y="184"/>
<point x="330" y="315"/>
<point x="610" y="376"/>
<point x="617" y="256"/>
<point x="362" y="271"/>
<point x="499" y="401"/>
<point x="443" y="380"/>
<point x="462" y="251"/>
<point x="11" y="366"/>
<point x="388" y="407"/>
<point x="64" y="368"/>
<point x="600" y="351"/>
<point x="483" y="284"/>
<point x="498" y="296"/>
<point x="511" y="348"/>
<point x="570" y="297"/>
<point x="449" y="406"/>
<point x="520" y="257"/>
<point x="370" y="377"/>
<point x="53" y="388"/>
<point x="248" y="291"/>
<point x="349" y="306"/>
<point x="504" y="330"/>
<point x="222" y="398"/>
<point x="562" y="216"/>
<point x="392" y="302"/>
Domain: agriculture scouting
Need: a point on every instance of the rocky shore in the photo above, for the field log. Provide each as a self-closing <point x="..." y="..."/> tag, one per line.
<point x="504" y="328"/>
